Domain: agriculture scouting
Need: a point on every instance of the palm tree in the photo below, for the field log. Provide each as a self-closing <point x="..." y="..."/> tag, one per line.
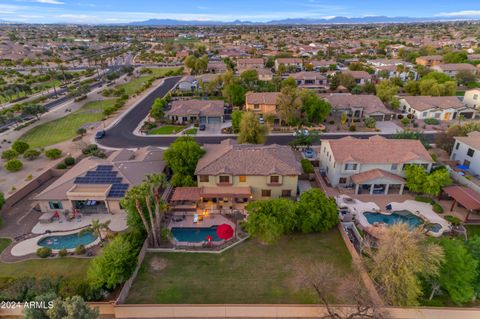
<point x="97" y="227"/>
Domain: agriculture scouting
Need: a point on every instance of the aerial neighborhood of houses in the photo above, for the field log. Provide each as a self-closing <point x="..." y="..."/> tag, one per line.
<point x="208" y="164"/>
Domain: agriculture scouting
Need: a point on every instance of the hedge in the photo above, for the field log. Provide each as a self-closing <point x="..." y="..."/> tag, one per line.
<point x="307" y="166"/>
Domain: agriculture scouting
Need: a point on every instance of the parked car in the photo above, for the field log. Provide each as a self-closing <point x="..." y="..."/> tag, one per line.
<point x="261" y="120"/>
<point x="301" y="132"/>
<point x="100" y="134"/>
<point x="309" y="153"/>
<point x="202" y="127"/>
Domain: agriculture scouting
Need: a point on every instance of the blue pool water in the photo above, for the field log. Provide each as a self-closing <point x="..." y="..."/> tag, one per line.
<point x="67" y="241"/>
<point x="403" y="216"/>
<point x="194" y="234"/>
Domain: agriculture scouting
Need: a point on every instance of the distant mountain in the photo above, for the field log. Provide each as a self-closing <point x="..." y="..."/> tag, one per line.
<point x="299" y="21"/>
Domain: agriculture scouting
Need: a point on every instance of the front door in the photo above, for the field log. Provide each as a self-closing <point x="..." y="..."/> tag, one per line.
<point x="447" y="116"/>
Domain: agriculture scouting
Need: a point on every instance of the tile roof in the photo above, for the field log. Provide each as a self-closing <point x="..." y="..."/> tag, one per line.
<point x="289" y="60"/>
<point x="370" y="103"/>
<point x="358" y="74"/>
<point x="378" y="150"/>
<point x="308" y="75"/>
<point x="472" y="139"/>
<point x="456" y="67"/>
<point x="467" y="197"/>
<point x="228" y="157"/>
<point x="261" y="97"/>
<point x="374" y="174"/>
<point x="422" y="103"/>
<point x="186" y="193"/>
<point x="196" y="107"/>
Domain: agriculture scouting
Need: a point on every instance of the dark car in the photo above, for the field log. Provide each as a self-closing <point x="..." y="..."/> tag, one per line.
<point x="100" y="134"/>
<point x="202" y="127"/>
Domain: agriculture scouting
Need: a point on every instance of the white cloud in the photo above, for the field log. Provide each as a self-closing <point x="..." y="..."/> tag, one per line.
<point x="464" y="13"/>
<point x="49" y="1"/>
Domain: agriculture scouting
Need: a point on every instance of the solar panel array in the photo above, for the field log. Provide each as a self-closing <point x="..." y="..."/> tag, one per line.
<point x="104" y="174"/>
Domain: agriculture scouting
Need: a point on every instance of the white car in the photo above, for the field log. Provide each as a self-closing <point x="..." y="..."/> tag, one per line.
<point x="301" y="132"/>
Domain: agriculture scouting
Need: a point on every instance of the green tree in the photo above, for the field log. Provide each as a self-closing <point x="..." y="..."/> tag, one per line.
<point x="289" y="103"/>
<point x="9" y="154"/>
<point x="386" y="90"/>
<point x="72" y="307"/>
<point x="415" y="176"/>
<point x="401" y="260"/>
<point x="251" y="131"/>
<point x="13" y="165"/>
<point x="316" y="212"/>
<point x="157" y="110"/>
<point x="249" y="78"/>
<point x="236" y="120"/>
<point x="34" y="110"/>
<point x="234" y="93"/>
<point x="20" y="147"/>
<point x="455" y="57"/>
<point x="81" y="131"/>
<point x="97" y="227"/>
<point x="314" y="108"/>
<point x="40" y="312"/>
<point x="465" y="77"/>
<point x="115" y="264"/>
<point x="31" y="154"/>
<point x="459" y="271"/>
<point x="182" y="157"/>
<point x="53" y="153"/>
<point x="2" y="200"/>
<point x="473" y="245"/>
<point x="436" y="181"/>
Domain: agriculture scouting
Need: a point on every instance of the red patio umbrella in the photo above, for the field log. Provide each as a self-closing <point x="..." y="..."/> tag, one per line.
<point x="225" y="231"/>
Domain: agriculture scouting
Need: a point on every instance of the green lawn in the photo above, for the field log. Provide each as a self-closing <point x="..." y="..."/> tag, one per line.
<point x="167" y="129"/>
<point x="4" y="242"/>
<point x="65" y="128"/>
<point x="473" y="230"/>
<point x="135" y="84"/>
<point x="248" y="273"/>
<point x="52" y="268"/>
<point x="191" y="131"/>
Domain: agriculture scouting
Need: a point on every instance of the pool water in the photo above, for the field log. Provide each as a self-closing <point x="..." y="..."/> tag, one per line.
<point x="67" y="241"/>
<point x="403" y="216"/>
<point x="195" y="234"/>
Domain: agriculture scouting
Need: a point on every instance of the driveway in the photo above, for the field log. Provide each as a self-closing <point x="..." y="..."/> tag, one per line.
<point x="388" y="127"/>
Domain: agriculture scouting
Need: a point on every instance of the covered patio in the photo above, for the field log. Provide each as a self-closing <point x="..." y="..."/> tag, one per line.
<point x="464" y="196"/>
<point x="378" y="181"/>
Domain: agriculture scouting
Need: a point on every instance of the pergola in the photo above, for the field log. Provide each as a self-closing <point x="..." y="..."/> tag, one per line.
<point x="465" y="196"/>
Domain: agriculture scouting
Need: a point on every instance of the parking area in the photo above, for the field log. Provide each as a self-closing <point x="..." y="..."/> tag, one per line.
<point x="214" y="128"/>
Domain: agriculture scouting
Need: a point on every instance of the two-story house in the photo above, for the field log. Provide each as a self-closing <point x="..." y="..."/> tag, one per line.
<point x="472" y="99"/>
<point x="444" y="108"/>
<point x="466" y="151"/>
<point x="289" y="63"/>
<point x="429" y="60"/>
<point x="375" y="165"/>
<point x="310" y="80"/>
<point x="262" y="103"/>
<point x="452" y="69"/>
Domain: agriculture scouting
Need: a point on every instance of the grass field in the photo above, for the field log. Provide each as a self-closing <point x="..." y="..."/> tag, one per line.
<point x="135" y="84"/>
<point x="65" y="128"/>
<point x="473" y="230"/>
<point x="191" y="131"/>
<point x="4" y="242"/>
<point x="248" y="273"/>
<point x="51" y="268"/>
<point x="166" y="129"/>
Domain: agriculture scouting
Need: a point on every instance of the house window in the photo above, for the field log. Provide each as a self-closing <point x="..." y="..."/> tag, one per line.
<point x="394" y="167"/>
<point x="286" y="193"/>
<point x="224" y="179"/>
<point x="274" y="179"/>
<point x="55" y="205"/>
<point x="242" y="178"/>
<point x="470" y="152"/>
<point x="256" y="106"/>
<point x="350" y="167"/>
<point x="466" y="163"/>
<point x="342" y="180"/>
<point x="457" y="146"/>
<point x="204" y="178"/>
<point x="266" y="193"/>
<point x="424" y="114"/>
<point x="475" y="96"/>
<point x="437" y="115"/>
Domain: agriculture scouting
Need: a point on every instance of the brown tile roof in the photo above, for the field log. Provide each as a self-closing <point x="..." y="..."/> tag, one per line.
<point x="323" y="63"/>
<point x="249" y="61"/>
<point x="247" y="159"/>
<point x="472" y="139"/>
<point x="262" y="97"/>
<point x="289" y="60"/>
<point x="374" y="174"/>
<point x="422" y="103"/>
<point x="370" y="103"/>
<point x="186" y="193"/>
<point x="358" y="74"/>
<point x="378" y="150"/>
<point x="196" y="107"/>
<point x="456" y="67"/>
<point x="237" y="191"/>
<point x="307" y="75"/>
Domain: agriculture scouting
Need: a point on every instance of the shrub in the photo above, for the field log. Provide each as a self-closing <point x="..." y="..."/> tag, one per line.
<point x="20" y="146"/>
<point x="455" y="221"/>
<point x="81" y="131"/>
<point x="307" y="166"/>
<point x="63" y="252"/>
<point x="80" y="250"/>
<point x="424" y="199"/>
<point x="9" y="154"/>
<point x="62" y="165"/>
<point x="431" y="121"/>
<point x="44" y="252"/>
<point x="53" y="153"/>
<point x="69" y="161"/>
<point x="31" y="154"/>
<point x="352" y="128"/>
<point x="89" y="149"/>
<point x="437" y="208"/>
<point x="13" y="165"/>
<point x="370" y="122"/>
<point x="405" y="121"/>
<point x="332" y="122"/>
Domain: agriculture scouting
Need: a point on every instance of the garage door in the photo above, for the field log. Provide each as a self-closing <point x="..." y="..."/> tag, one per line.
<point x="377" y="117"/>
<point x="467" y="115"/>
<point x="203" y="120"/>
<point x="214" y="120"/>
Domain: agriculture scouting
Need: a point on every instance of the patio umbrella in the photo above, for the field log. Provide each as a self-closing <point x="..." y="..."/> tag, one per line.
<point x="225" y="231"/>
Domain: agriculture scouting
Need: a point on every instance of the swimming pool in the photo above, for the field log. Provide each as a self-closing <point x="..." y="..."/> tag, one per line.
<point x="67" y="241"/>
<point x="195" y="234"/>
<point x="401" y="216"/>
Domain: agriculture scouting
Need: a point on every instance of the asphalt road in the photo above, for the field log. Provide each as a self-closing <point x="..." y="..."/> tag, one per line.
<point x="121" y="134"/>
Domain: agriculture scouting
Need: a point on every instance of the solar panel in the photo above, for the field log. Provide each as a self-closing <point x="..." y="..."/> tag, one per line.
<point x="104" y="174"/>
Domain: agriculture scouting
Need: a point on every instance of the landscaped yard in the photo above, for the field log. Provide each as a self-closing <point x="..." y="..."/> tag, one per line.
<point x="191" y="131"/>
<point x="50" y="268"/>
<point x="248" y="273"/>
<point x="473" y="230"/>
<point x="134" y="85"/>
<point x="4" y="242"/>
<point x="65" y="128"/>
<point x="167" y="129"/>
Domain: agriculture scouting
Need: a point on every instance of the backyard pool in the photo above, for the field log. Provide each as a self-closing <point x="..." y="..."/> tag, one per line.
<point x="194" y="234"/>
<point x="67" y="241"/>
<point x="402" y="216"/>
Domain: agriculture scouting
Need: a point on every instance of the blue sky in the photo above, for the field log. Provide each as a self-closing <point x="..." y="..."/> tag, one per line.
<point x="119" y="11"/>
